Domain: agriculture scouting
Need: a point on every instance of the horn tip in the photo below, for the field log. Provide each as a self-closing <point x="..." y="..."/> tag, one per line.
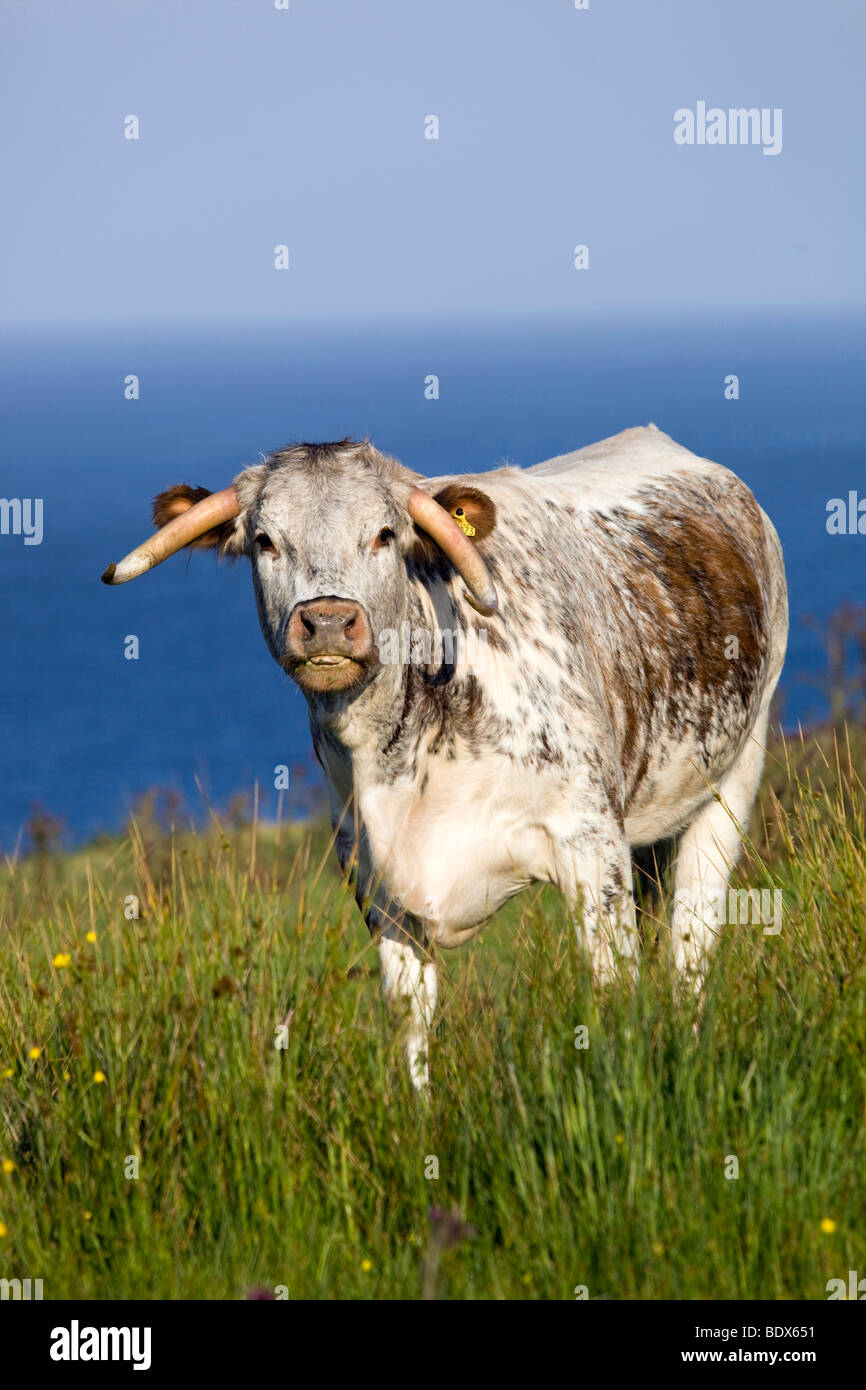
<point x="108" y="575"/>
<point x="488" y="606"/>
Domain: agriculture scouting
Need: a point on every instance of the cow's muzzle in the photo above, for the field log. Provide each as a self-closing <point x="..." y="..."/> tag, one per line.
<point x="328" y="645"/>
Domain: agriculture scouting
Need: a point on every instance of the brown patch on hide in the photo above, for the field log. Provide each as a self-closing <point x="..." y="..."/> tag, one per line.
<point x="694" y="578"/>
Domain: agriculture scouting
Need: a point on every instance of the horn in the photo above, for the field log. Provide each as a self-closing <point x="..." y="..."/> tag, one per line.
<point x="202" y="516"/>
<point x="426" y="512"/>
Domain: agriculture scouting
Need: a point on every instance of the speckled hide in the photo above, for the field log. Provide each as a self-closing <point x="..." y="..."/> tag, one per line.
<point x="618" y="696"/>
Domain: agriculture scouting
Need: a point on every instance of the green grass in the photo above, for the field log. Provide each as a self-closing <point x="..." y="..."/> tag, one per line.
<point x="305" y="1166"/>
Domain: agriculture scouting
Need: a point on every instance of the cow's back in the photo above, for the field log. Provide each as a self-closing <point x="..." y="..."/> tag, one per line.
<point x="653" y="582"/>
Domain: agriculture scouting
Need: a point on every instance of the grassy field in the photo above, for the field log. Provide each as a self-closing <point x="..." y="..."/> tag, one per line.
<point x="311" y="1167"/>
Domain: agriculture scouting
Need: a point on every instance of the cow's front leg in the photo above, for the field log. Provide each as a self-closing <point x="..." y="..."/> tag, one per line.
<point x="409" y="977"/>
<point x="410" y="986"/>
<point x="598" y="876"/>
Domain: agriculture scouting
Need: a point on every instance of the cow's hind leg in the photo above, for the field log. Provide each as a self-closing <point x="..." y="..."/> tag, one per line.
<point x="707" y="853"/>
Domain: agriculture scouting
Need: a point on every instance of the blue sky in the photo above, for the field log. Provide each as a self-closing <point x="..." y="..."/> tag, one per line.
<point x="306" y="127"/>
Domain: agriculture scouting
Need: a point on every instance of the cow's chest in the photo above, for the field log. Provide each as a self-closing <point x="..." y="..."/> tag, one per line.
<point x="454" y="845"/>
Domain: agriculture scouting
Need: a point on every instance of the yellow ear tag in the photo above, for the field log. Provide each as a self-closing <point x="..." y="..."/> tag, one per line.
<point x="463" y="522"/>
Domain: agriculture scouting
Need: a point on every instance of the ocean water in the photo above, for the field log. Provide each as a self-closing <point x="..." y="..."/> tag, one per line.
<point x="86" y="731"/>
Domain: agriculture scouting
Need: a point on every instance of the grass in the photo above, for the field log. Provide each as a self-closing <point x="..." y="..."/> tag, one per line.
<point x="304" y="1166"/>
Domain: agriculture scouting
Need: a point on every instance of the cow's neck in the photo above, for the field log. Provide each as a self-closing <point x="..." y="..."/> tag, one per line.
<point x="377" y="733"/>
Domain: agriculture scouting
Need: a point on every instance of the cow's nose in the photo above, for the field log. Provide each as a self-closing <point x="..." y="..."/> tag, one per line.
<point x="328" y="627"/>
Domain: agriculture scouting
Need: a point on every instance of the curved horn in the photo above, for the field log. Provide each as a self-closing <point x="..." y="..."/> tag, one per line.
<point x="202" y="516"/>
<point x="426" y="512"/>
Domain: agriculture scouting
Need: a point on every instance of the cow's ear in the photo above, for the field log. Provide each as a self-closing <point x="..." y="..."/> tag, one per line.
<point x="472" y="509"/>
<point x="177" y="500"/>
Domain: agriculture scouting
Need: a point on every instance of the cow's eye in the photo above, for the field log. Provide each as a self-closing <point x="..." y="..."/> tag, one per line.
<point x="384" y="536"/>
<point x="264" y="545"/>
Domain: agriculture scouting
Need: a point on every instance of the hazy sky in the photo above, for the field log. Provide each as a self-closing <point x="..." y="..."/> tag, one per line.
<point x="306" y="127"/>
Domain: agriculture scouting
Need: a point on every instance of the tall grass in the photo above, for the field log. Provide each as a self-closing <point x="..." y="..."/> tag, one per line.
<point x="312" y="1166"/>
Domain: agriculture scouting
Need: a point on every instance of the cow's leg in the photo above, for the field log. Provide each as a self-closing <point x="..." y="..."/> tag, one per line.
<point x="600" y="877"/>
<point x="410" y="986"/>
<point x="707" y="853"/>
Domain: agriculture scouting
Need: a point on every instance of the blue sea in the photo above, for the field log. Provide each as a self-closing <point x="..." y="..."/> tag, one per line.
<point x="86" y="731"/>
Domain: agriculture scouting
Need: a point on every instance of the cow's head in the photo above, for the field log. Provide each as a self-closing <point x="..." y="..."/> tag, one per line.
<point x="331" y="531"/>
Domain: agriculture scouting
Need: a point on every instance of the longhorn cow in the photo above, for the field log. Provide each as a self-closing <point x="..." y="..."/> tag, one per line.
<point x="513" y="677"/>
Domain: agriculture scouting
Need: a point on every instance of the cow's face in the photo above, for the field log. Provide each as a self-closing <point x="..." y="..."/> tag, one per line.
<point x="332" y="532"/>
<point x="328" y="544"/>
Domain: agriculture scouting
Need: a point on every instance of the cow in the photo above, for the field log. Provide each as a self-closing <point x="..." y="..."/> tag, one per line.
<point x="616" y="622"/>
